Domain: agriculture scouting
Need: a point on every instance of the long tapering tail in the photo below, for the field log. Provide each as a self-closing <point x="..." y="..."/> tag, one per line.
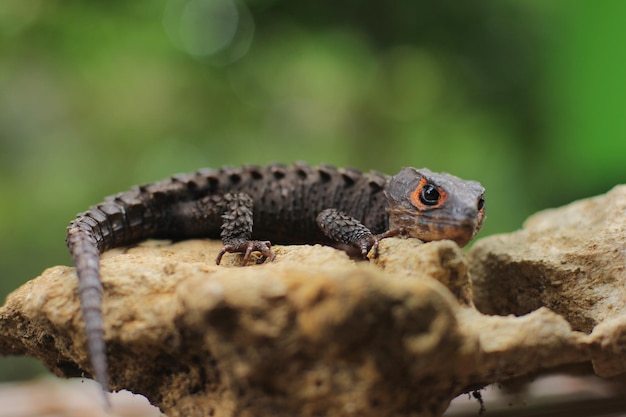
<point x="83" y="246"/>
<point x="123" y="219"/>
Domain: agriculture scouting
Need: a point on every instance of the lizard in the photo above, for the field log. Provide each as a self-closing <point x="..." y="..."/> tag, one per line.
<point x="295" y="204"/>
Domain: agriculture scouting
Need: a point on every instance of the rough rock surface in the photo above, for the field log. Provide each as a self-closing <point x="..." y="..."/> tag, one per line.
<point x="571" y="260"/>
<point x="314" y="333"/>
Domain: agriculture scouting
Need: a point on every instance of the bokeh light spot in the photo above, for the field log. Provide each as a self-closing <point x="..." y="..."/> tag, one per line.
<point x="202" y="27"/>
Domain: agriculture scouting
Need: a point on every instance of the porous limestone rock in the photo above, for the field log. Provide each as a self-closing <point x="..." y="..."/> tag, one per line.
<point x="571" y="260"/>
<point x="313" y="333"/>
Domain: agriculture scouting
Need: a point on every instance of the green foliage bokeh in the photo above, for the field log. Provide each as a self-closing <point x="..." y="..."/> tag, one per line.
<point x="526" y="97"/>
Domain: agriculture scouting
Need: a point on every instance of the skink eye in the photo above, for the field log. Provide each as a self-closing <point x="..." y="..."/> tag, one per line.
<point x="430" y="195"/>
<point x="481" y="203"/>
<point x="427" y="196"/>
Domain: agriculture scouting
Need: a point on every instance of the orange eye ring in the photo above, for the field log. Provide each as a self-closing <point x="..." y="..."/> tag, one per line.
<point x="428" y="196"/>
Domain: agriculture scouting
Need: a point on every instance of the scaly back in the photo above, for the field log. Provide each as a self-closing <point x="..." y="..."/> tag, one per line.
<point x="286" y="202"/>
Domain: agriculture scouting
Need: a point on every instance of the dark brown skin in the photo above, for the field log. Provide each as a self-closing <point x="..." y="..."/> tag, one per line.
<point x="285" y="204"/>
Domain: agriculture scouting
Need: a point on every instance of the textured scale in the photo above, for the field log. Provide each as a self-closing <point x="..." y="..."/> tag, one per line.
<point x="281" y="204"/>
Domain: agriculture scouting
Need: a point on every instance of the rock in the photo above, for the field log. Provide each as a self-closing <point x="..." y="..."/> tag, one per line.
<point x="439" y="260"/>
<point x="316" y="333"/>
<point x="571" y="260"/>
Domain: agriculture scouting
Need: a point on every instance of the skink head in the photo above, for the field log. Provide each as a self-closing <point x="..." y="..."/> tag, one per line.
<point x="435" y="206"/>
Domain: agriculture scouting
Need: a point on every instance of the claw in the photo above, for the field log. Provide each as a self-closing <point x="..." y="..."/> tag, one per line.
<point x="225" y="248"/>
<point x="372" y="243"/>
<point x="247" y="247"/>
<point x="246" y="256"/>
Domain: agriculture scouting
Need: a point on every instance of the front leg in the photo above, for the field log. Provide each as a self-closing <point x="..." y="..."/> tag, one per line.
<point x="342" y="228"/>
<point x="237" y="229"/>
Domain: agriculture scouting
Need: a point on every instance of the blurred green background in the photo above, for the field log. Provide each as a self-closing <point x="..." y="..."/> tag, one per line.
<point x="526" y="96"/>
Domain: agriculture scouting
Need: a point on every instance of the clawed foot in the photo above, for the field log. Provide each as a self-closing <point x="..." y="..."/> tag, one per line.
<point x="247" y="247"/>
<point x="366" y="245"/>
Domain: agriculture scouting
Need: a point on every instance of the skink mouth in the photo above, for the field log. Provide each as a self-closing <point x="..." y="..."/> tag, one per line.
<point x="461" y="233"/>
<point x="431" y="229"/>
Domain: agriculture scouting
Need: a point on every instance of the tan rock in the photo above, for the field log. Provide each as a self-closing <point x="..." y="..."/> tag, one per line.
<point x="442" y="261"/>
<point x="571" y="260"/>
<point x="313" y="333"/>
